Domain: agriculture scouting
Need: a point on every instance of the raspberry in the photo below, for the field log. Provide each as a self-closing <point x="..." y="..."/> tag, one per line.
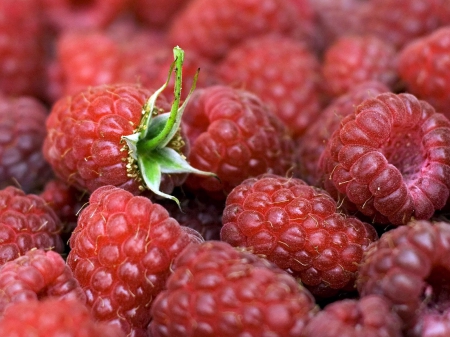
<point x="313" y="142"/>
<point x="53" y="318"/>
<point x="354" y="59"/>
<point x="235" y="135"/>
<point x="21" y="137"/>
<point x="299" y="228"/>
<point x="408" y="266"/>
<point x="26" y="222"/>
<point x="122" y="250"/>
<point x="423" y="66"/>
<point x="390" y="159"/>
<point x="37" y="275"/>
<point x="21" y="51"/>
<point x="282" y="71"/>
<point x="80" y="14"/>
<point x="157" y="13"/>
<point x="368" y="316"/>
<point x="212" y="27"/>
<point x="216" y="290"/>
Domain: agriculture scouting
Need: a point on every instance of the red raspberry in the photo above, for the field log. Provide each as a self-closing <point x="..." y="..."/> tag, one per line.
<point x="52" y="318"/>
<point x="400" y="21"/>
<point x="432" y="324"/>
<point x="26" y="222"/>
<point x="299" y="228"/>
<point x="37" y="275"/>
<point x="21" y="137"/>
<point x="282" y="71"/>
<point x="390" y="159"/>
<point x="313" y="142"/>
<point x="423" y="66"/>
<point x="409" y="267"/>
<point x="21" y="51"/>
<point x="354" y="59"/>
<point x="235" y="135"/>
<point x="122" y="251"/>
<point x="216" y="290"/>
<point x="212" y="27"/>
<point x="81" y="14"/>
<point x="157" y="13"/>
<point x="368" y="316"/>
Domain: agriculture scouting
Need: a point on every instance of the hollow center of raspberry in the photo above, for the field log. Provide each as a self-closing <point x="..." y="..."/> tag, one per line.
<point x="437" y="292"/>
<point x="405" y="152"/>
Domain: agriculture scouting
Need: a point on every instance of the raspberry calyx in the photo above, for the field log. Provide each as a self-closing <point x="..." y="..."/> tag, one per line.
<point x="154" y="148"/>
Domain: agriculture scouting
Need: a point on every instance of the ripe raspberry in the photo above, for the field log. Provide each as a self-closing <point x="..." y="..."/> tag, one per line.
<point x="235" y="135"/>
<point x="400" y="21"/>
<point x="408" y="266"/>
<point x="37" y="275"/>
<point x="122" y="251"/>
<point x="21" y="137"/>
<point x="313" y="142"/>
<point x="299" y="228"/>
<point x="21" y="51"/>
<point x="423" y="66"/>
<point x="26" y="222"/>
<point x="157" y="13"/>
<point x="432" y="324"/>
<point x="70" y="14"/>
<point x="282" y="71"/>
<point x="212" y="27"/>
<point x="368" y="316"/>
<point x="390" y="159"/>
<point x="354" y="59"/>
<point x="53" y="318"/>
<point x="216" y="290"/>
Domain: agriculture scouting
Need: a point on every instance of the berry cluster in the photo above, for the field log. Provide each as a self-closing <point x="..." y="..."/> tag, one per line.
<point x="224" y="168"/>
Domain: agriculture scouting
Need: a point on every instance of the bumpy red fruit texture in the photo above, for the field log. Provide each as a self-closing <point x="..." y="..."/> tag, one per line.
<point x="235" y="135"/>
<point x="354" y="59"/>
<point x="21" y="51"/>
<point x="390" y="159"/>
<point x="401" y="21"/>
<point x="21" y="137"/>
<point x="26" y="222"/>
<point x="314" y="140"/>
<point x="212" y="27"/>
<point x="216" y="290"/>
<point x="368" y="316"/>
<point x="157" y="13"/>
<point x="409" y="267"/>
<point x="299" y="228"/>
<point x="83" y="143"/>
<point x="35" y="276"/>
<point x="53" y="318"/>
<point x="282" y="71"/>
<point x="121" y="253"/>
<point x="424" y="67"/>
<point x="80" y="14"/>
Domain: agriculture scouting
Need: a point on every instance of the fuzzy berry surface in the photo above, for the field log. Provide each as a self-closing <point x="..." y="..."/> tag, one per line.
<point x="212" y="27"/>
<point x="26" y="222"/>
<point x="354" y="59"/>
<point x="282" y="71"/>
<point x="390" y="159"/>
<point x="314" y="140"/>
<point x="408" y="266"/>
<point x="299" y="228"/>
<point x="423" y="66"/>
<point x="368" y="316"/>
<point x="53" y="318"/>
<point x="216" y="290"/>
<point x="121" y="254"/>
<point x="157" y="13"/>
<point x="35" y="276"/>
<point x="234" y="134"/>
<point x="21" y="138"/>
